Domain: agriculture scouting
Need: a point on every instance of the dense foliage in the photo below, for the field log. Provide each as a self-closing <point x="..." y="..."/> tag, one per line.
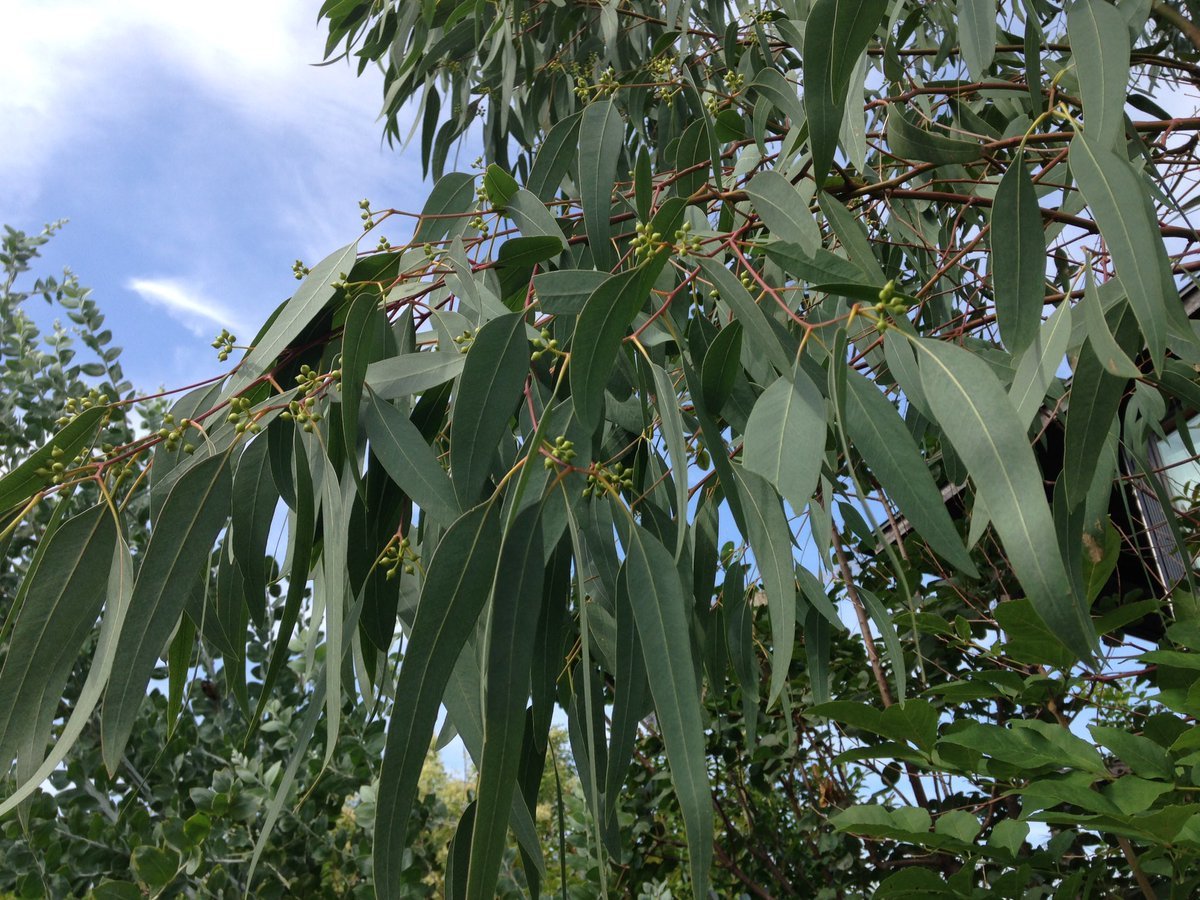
<point x="758" y="322"/>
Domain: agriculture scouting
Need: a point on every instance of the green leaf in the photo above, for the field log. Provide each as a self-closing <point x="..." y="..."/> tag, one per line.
<point x="1039" y="364"/>
<point x="411" y="373"/>
<point x="1018" y="264"/>
<point x="785" y="437"/>
<point x="780" y="92"/>
<point x="667" y="404"/>
<point x="457" y="585"/>
<point x="563" y="293"/>
<point x="410" y="461"/>
<point x="531" y="216"/>
<point x="875" y="427"/>
<point x="1111" y="355"/>
<point x="1142" y="755"/>
<point x="976" y="415"/>
<point x="554" y="158"/>
<point x="251" y="526"/>
<point x="602" y="324"/>
<point x="914" y="721"/>
<point x="1028" y="639"/>
<point x="891" y="640"/>
<point x="1115" y="193"/>
<point x="362" y="344"/>
<point x="62" y="601"/>
<point x="816" y="267"/>
<point x="1100" y="51"/>
<point x="487" y="394"/>
<point x="446" y="211"/>
<point x="660" y="612"/>
<point x="155" y="867"/>
<point x="516" y="604"/>
<point x="770" y="539"/>
<point x="977" y="35"/>
<point x="23" y="482"/>
<point x="304" y="306"/>
<point x="784" y="210"/>
<point x="500" y="186"/>
<point x="1094" y="402"/>
<point x="1008" y="835"/>
<point x="601" y="136"/>
<point x="836" y="34"/>
<point x="909" y="141"/>
<point x="721" y="365"/>
<point x="758" y="329"/>
<point x="179" y="550"/>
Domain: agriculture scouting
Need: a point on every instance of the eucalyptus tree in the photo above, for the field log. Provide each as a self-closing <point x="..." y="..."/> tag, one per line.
<point x="758" y="321"/>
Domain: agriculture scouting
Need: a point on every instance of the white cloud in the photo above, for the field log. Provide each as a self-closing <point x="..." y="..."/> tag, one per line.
<point x="74" y="71"/>
<point x="187" y="305"/>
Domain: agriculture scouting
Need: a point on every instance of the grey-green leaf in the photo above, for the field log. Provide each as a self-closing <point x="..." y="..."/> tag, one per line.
<point x="1100" y="52"/>
<point x="660" y="613"/>
<point x="410" y="461"/>
<point x="976" y="415"/>
<point x="180" y="546"/>
<point x="312" y="297"/>
<point x="785" y="437"/>
<point x="487" y="394"/>
<point x="875" y="427"/>
<point x="1115" y="193"/>
<point x="836" y="33"/>
<point x="516" y="604"/>
<point x="411" y="373"/>
<point x="909" y="141"/>
<point x="977" y="35"/>
<point x="456" y="587"/>
<point x="602" y="324"/>
<point x="771" y="541"/>
<point x="58" y="613"/>
<point x="1018" y="264"/>
<point x="601" y="134"/>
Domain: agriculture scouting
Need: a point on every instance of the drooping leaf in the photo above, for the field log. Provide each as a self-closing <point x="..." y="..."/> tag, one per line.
<point x="770" y="539"/>
<point x="1100" y="52"/>
<point x="602" y="324"/>
<point x="876" y="429"/>
<point x="116" y="604"/>
<point x="976" y="415"/>
<point x="457" y="585"/>
<point x="1114" y="192"/>
<point x="660" y="613"/>
<point x="564" y="292"/>
<point x="667" y="404"/>
<point x="487" y="394"/>
<point x="398" y="445"/>
<point x="721" y="365"/>
<point x="784" y="210"/>
<point x="836" y="33"/>
<point x="516" y="603"/>
<point x="196" y="510"/>
<point x="1040" y="363"/>
<point x="59" y="610"/>
<point x="447" y="208"/>
<point x="251" y="526"/>
<point x="977" y="35"/>
<point x="362" y="344"/>
<point x="601" y="134"/>
<point x="1018" y="264"/>
<point x="785" y="437"/>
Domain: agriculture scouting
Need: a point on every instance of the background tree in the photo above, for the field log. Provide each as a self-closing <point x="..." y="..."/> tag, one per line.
<point x="632" y="439"/>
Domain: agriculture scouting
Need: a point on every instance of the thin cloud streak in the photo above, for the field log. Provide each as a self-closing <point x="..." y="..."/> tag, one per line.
<point x="186" y="305"/>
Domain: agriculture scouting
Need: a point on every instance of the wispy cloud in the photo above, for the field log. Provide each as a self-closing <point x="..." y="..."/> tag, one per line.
<point x="187" y="305"/>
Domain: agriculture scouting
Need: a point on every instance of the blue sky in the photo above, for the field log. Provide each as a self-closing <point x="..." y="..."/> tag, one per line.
<point x="197" y="153"/>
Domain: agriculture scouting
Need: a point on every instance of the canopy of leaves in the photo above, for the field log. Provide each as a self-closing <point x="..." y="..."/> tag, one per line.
<point x="755" y="320"/>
